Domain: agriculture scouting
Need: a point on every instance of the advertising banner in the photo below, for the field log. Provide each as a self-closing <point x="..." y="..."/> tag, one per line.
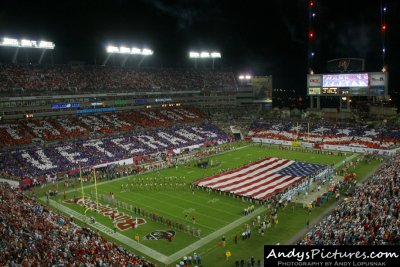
<point x="314" y="80"/>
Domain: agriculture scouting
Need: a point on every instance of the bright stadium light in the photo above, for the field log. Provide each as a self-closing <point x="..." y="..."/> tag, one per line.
<point x="10" y="42"/>
<point x="26" y="43"/>
<point x="46" y="45"/>
<point x="112" y="49"/>
<point x="194" y="54"/>
<point x="245" y="77"/>
<point x="124" y="50"/>
<point x="216" y="55"/>
<point x="127" y="52"/>
<point x="136" y="51"/>
<point x="147" y="52"/>
<point x="205" y="54"/>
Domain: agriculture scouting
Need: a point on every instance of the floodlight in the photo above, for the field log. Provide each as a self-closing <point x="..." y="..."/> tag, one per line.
<point x="241" y="77"/>
<point x="10" y="42"/>
<point x="248" y="77"/>
<point x="147" y="52"/>
<point x="27" y="43"/>
<point x="124" y="50"/>
<point x="194" y="54"/>
<point x="46" y="45"/>
<point x="136" y="50"/>
<point x="112" y="49"/>
<point x="204" y="54"/>
<point x="216" y="55"/>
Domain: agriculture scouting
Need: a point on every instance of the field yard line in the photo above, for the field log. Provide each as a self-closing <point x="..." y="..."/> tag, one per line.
<point x="206" y="196"/>
<point x="203" y="205"/>
<point x="340" y="163"/>
<point x="130" y="201"/>
<point x="149" y="251"/>
<point x="122" y="238"/>
<point x="173" y="205"/>
<point x="196" y="245"/>
<point x="122" y="178"/>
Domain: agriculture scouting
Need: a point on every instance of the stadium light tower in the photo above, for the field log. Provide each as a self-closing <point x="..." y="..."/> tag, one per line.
<point x="244" y="79"/>
<point x="205" y="55"/>
<point x="25" y="43"/>
<point x="195" y="56"/>
<point x="111" y="50"/>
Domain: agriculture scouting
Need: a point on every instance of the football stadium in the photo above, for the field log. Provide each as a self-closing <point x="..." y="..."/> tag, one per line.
<point x="126" y="161"/>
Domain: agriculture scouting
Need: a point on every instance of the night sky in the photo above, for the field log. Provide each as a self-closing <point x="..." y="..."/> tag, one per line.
<point x="259" y="37"/>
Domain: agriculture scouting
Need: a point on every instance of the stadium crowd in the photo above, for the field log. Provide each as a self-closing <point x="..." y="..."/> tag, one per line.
<point x="61" y="79"/>
<point x="240" y="118"/>
<point x="370" y="216"/>
<point x="327" y="133"/>
<point x="41" y="161"/>
<point x="32" y="235"/>
<point x="24" y="132"/>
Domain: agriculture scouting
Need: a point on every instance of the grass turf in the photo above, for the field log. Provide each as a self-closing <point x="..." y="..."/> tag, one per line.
<point x="212" y="211"/>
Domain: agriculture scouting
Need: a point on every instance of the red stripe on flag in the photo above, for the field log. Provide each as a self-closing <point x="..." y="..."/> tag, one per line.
<point x="253" y="176"/>
<point x="248" y="172"/>
<point x="261" y="185"/>
<point x="283" y="188"/>
<point x="262" y="190"/>
<point x="231" y="171"/>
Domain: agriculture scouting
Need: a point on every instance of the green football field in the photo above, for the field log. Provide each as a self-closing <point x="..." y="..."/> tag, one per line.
<point x="215" y="214"/>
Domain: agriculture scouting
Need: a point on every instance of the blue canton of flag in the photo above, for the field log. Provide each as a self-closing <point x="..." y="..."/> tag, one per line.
<point x="301" y="169"/>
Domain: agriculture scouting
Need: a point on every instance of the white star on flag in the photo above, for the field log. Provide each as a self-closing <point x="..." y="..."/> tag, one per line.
<point x="371" y="133"/>
<point x="344" y="131"/>
<point x="321" y="130"/>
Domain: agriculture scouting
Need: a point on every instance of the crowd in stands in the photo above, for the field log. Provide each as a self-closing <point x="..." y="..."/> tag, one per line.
<point x="327" y="133"/>
<point x="369" y="216"/>
<point x="27" y="131"/>
<point x="61" y="79"/>
<point x="51" y="159"/>
<point x="240" y="117"/>
<point x="32" y="235"/>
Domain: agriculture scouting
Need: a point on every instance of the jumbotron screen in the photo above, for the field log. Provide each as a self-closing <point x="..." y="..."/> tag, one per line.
<point x="345" y="80"/>
<point x="351" y="84"/>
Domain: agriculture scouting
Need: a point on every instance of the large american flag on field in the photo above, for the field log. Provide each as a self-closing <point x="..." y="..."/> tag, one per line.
<point x="261" y="179"/>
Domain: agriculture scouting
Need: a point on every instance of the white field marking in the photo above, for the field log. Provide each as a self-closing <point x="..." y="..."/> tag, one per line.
<point x="129" y="201"/>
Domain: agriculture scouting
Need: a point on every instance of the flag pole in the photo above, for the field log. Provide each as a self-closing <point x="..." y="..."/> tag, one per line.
<point x="95" y="188"/>
<point x="80" y="175"/>
<point x="308" y="130"/>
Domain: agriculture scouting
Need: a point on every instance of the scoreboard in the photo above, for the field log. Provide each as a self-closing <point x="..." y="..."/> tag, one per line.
<point x="348" y="84"/>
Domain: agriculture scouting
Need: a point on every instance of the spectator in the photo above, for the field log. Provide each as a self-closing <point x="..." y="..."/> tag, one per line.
<point x="32" y="235"/>
<point x="369" y="217"/>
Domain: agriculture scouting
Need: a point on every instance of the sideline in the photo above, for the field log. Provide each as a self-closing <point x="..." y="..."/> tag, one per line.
<point x="297" y="237"/>
<point x="149" y="251"/>
<point x="129" y="176"/>
<point x="313" y="195"/>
